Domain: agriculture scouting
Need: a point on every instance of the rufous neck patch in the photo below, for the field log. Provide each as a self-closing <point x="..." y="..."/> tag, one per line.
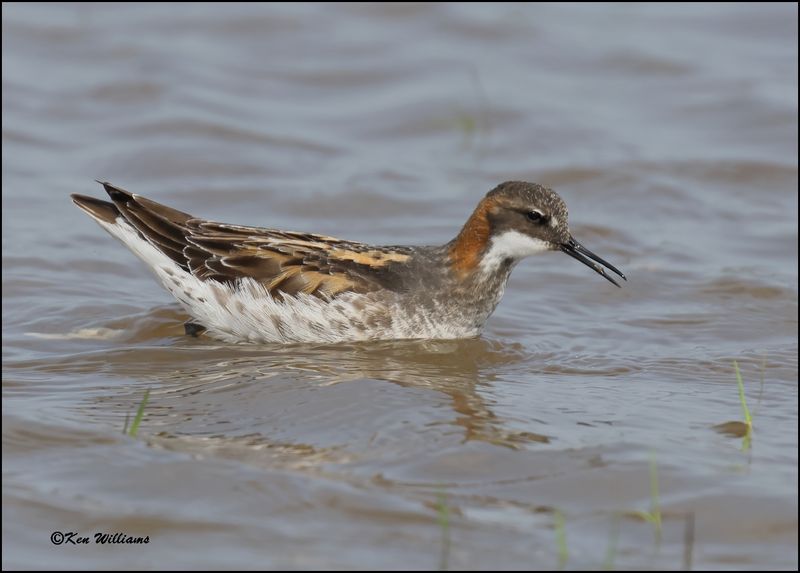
<point x="465" y="253"/>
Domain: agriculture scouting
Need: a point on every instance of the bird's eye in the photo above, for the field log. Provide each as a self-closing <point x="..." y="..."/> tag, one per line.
<point x="535" y="216"/>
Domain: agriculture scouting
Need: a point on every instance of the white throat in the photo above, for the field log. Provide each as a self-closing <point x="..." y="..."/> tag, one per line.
<point x="511" y="245"/>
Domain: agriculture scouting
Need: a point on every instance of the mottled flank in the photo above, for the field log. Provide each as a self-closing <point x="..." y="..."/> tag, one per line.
<point x="249" y="284"/>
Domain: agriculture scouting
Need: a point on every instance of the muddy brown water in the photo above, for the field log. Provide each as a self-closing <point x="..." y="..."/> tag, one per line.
<point x="671" y="132"/>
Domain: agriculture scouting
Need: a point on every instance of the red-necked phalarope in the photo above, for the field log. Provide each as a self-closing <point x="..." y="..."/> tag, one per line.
<point x="248" y="284"/>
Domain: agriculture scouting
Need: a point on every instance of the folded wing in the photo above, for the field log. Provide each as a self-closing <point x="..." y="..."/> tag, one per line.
<point x="286" y="263"/>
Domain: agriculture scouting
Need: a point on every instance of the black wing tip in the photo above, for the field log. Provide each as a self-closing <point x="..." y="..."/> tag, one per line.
<point x="116" y="193"/>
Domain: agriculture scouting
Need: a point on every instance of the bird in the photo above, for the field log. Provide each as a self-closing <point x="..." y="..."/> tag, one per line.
<point x="242" y="284"/>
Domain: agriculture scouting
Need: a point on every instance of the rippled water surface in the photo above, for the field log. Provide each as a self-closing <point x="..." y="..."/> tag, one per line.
<point x="671" y="131"/>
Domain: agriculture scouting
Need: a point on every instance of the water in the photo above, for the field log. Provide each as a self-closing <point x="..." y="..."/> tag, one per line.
<point x="671" y="132"/>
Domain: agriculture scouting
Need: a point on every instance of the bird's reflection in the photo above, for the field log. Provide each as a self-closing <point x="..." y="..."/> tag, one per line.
<point x="192" y="373"/>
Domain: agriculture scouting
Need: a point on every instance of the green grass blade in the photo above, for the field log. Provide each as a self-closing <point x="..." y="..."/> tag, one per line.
<point x="443" y="512"/>
<point x="747" y="419"/>
<point x="139" y="414"/>
<point x="655" y="505"/>
<point x="561" y="539"/>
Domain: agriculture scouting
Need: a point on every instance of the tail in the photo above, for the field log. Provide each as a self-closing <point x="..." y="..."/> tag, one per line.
<point x="129" y="214"/>
<point x="101" y="211"/>
<point x="153" y="232"/>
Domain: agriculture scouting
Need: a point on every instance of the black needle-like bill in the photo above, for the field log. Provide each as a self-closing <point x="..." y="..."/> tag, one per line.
<point x="574" y="249"/>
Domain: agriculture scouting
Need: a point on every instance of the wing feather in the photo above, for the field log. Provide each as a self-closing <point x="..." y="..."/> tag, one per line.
<point x="285" y="262"/>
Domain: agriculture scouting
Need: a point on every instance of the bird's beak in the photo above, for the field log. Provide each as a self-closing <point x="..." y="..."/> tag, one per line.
<point x="577" y="251"/>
